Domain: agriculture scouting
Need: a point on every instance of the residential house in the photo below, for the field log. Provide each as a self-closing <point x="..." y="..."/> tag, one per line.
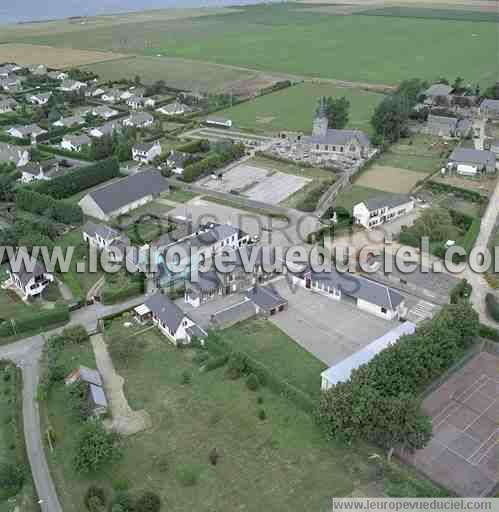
<point x="8" y="69"/>
<point x="449" y="127"/>
<point x="104" y="112"/>
<point x="471" y="162"/>
<point x="342" y="371"/>
<point x="30" y="131"/>
<point x="124" y="195"/>
<point x="30" y="280"/>
<point x="149" y="102"/>
<point x="40" y="171"/>
<point x="267" y="300"/>
<point x="96" y="395"/>
<point x="438" y="94"/>
<point x="374" y="212"/>
<point x="490" y="108"/>
<point x="111" y="96"/>
<point x="15" y="154"/>
<point x="69" y="122"/>
<point x="75" y="142"/>
<point x="219" y="122"/>
<point x="10" y="83"/>
<point x="104" y="238"/>
<point x="72" y="85"/>
<point x="57" y="75"/>
<point x="170" y="320"/>
<point x="173" y="109"/>
<point x="176" y="161"/>
<point x="40" y="98"/>
<point x="146" y="152"/>
<point x="105" y="129"/>
<point x="370" y="296"/>
<point x="326" y="143"/>
<point x="135" y="102"/>
<point x="8" y="105"/>
<point x="139" y="120"/>
<point x="94" y="91"/>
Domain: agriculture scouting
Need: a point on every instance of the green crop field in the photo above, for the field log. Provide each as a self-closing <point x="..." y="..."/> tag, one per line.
<point x="293" y="108"/>
<point x="426" y="13"/>
<point x="291" y="39"/>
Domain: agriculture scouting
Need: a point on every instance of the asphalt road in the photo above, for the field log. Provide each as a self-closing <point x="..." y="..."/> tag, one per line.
<point x="26" y="354"/>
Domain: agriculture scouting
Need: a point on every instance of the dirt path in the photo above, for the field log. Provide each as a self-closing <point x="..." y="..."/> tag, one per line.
<point x="124" y="420"/>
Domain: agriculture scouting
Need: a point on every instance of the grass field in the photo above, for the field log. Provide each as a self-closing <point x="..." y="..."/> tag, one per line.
<point x="177" y="73"/>
<point x="355" y="194"/>
<point x="289" y="39"/>
<point x="293" y="108"/>
<point x="26" y="54"/>
<point x="440" y="14"/>
<point x="390" y="179"/>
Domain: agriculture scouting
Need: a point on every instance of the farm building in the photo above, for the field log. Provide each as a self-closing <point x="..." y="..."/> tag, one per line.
<point x="342" y="371"/>
<point x="379" y="210"/>
<point x="124" y="195"/>
<point x="472" y="162"/>
<point x="375" y="298"/>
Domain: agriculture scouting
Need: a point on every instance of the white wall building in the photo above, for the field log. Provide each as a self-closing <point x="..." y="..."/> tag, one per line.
<point x="380" y="210"/>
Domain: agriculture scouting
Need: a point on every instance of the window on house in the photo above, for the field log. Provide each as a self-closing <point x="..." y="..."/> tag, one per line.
<point x="383" y="310"/>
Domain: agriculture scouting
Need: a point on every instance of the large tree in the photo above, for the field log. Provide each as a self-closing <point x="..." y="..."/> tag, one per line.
<point x="337" y="110"/>
<point x="390" y="119"/>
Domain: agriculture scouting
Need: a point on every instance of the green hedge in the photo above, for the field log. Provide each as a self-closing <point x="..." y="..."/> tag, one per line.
<point x="14" y="140"/>
<point x="113" y="296"/>
<point x="34" y="321"/>
<point x="492" y="306"/>
<point x="468" y="194"/>
<point x="64" y="152"/>
<point x="462" y="291"/>
<point x="471" y="235"/>
<point x="81" y="179"/>
<point x="489" y="332"/>
<point x="195" y="146"/>
<point x="310" y="201"/>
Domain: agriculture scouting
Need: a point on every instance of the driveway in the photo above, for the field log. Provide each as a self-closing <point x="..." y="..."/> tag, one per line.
<point x="328" y="329"/>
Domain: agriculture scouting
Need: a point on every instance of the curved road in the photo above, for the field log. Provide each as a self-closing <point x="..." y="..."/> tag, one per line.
<point x="26" y="354"/>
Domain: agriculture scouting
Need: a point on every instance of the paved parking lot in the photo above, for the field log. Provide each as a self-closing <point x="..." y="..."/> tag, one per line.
<point x="257" y="183"/>
<point x="328" y="329"/>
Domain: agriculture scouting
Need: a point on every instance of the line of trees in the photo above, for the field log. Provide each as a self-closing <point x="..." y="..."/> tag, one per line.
<point x="40" y="204"/>
<point x="380" y="403"/>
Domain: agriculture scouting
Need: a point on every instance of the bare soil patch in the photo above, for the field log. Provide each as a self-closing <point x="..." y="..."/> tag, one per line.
<point x="390" y="179"/>
<point x="26" y="54"/>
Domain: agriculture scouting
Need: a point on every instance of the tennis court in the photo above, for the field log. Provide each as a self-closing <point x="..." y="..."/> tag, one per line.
<point x="463" y="453"/>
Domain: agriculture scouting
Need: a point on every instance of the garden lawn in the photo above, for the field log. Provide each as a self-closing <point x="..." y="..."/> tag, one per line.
<point x="272" y="347"/>
<point x="293" y="108"/>
<point x="349" y="197"/>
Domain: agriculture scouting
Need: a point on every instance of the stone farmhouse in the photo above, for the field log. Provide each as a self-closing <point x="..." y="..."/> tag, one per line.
<point x="448" y="127"/>
<point x="471" y="162"/>
<point x="379" y="210"/>
<point x="124" y="195"/>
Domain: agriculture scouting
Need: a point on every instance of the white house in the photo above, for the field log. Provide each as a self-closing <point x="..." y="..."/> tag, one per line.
<point x="219" y="121"/>
<point x="111" y="96"/>
<point x="72" y="85"/>
<point x="104" y="112"/>
<point x="30" y="131"/>
<point x="139" y="120"/>
<point x="135" y="102"/>
<point x="342" y="371"/>
<point x="123" y="196"/>
<point x="368" y="295"/>
<point x="15" y="154"/>
<point x="170" y="320"/>
<point x="40" y="98"/>
<point x="75" y="142"/>
<point x="29" y="279"/>
<point x="106" y="129"/>
<point x="173" y="109"/>
<point x="40" y="171"/>
<point x="68" y="122"/>
<point x="149" y="102"/>
<point x="146" y="151"/>
<point x="94" y="91"/>
<point x="379" y="210"/>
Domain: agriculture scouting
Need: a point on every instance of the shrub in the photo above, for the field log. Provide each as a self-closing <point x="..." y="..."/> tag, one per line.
<point x="124" y="501"/>
<point x="40" y="204"/>
<point x="216" y="362"/>
<point x="35" y="321"/>
<point x="492" y="306"/>
<point x="11" y="479"/>
<point x="214" y="456"/>
<point x="310" y="201"/>
<point x="252" y="382"/>
<point x="187" y="476"/>
<point x="95" y="499"/>
<point x="489" y="333"/>
<point x="262" y="415"/>
<point x="148" y="502"/>
<point x="185" y="378"/>
<point x="236" y="367"/>
<point x="462" y="291"/>
<point x="76" y="334"/>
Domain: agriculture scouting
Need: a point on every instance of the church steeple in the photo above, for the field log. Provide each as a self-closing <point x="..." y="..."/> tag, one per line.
<point x="321" y="123"/>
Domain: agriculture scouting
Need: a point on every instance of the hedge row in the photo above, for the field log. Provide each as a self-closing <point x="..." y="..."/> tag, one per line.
<point x="471" y="235"/>
<point x="464" y="193"/>
<point x="70" y="184"/>
<point x="14" y="140"/>
<point x="34" y="321"/>
<point x="266" y="376"/>
<point x="195" y="146"/>
<point x="492" y="306"/>
<point x="41" y="204"/>
<point x="310" y="201"/>
<point x="113" y="296"/>
<point x="489" y="332"/>
<point x="63" y="152"/>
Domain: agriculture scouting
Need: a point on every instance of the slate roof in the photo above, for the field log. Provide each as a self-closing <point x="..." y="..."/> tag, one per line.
<point x="98" y="396"/>
<point x="490" y="104"/>
<point x="473" y="156"/>
<point x="206" y="281"/>
<point x="438" y="90"/>
<point x="42" y="96"/>
<point x="135" y="99"/>
<point x="266" y="298"/>
<point x="10" y="152"/>
<point x="390" y="200"/>
<point x="78" y="140"/>
<point x="46" y="165"/>
<point x="103" y="109"/>
<point x="450" y="123"/>
<point x="115" y="195"/>
<point x="138" y="118"/>
<point x="90" y="376"/>
<point x="342" y="371"/>
<point x="233" y="314"/>
<point x="24" y="275"/>
<point x="8" y="102"/>
<point x="359" y="287"/>
<point x="70" y="121"/>
<point x="173" y="107"/>
<point x="107" y="128"/>
<point x="144" y="147"/>
<point x="338" y="137"/>
<point x="177" y="159"/>
<point x="167" y="311"/>
<point x="29" y="130"/>
<point x="105" y="232"/>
